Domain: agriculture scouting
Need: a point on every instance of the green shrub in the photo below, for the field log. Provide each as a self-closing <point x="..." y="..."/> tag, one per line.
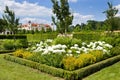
<point x="48" y="59"/>
<point x="22" y="53"/>
<point x="8" y="45"/>
<point x="76" y="41"/>
<point x="69" y="63"/>
<point x="108" y="40"/>
<point x="87" y="36"/>
<point x="87" y="59"/>
<point x="62" y="40"/>
<point x="14" y="44"/>
<point x="98" y="54"/>
<point x="13" y="36"/>
<point x="115" y="51"/>
<point x="41" y="36"/>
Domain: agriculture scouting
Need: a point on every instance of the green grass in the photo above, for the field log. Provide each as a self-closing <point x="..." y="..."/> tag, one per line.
<point x="14" y="71"/>
<point x="109" y="73"/>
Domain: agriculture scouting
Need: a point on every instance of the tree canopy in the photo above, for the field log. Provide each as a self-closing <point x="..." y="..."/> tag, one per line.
<point x="11" y="21"/>
<point x="63" y="15"/>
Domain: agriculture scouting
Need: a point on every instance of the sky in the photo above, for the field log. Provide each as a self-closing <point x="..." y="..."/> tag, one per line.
<point x="40" y="11"/>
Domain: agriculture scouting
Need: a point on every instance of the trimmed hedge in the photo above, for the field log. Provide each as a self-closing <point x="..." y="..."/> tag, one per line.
<point x="40" y="36"/>
<point x="12" y="36"/>
<point x="6" y="51"/>
<point x="87" y="36"/>
<point x="68" y="75"/>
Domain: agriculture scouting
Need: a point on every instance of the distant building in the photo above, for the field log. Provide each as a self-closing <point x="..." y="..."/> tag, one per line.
<point x="34" y="26"/>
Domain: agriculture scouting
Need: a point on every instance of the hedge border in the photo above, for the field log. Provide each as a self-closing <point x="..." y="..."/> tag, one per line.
<point x="6" y="51"/>
<point x="17" y="36"/>
<point x="68" y="75"/>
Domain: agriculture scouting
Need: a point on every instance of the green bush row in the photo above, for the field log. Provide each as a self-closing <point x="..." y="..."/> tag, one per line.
<point x="40" y="36"/>
<point x="13" y="36"/>
<point x="87" y="36"/>
<point x="95" y="36"/>
<point x="68" y="75"/>
<point x="6" y="51"/>
<point x="10" y="44"/>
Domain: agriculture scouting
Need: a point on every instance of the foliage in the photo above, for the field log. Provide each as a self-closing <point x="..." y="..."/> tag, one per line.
<point x="12" y="22"/>
<point x="63" y="16"/>
<point x="22" y="53"/>
<point x="88" y="36"/>
<point x="98" y="54"/>
<point x="69" y="63"/>
<point x="115" y="51"/>
<point x="87" y="59"/>
<point x="41" y="36"/>
<point x="110" y="14"/>
<point x="48" y="59"/>
<point x="76" y="41"/>
<point x="8" y="45"/>
<point x="12" y="36"/>
<point x="62" y="40"/>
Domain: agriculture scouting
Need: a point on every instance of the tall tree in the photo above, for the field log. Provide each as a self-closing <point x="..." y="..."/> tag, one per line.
<point x="110" y="14"/>
<point x="63" y="15"/>
<point x="2" y="25"/>
<point x="12" y="21"/>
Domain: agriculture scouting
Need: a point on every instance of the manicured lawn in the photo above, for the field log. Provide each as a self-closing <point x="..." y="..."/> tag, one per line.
<point x="109" y="73"/>
<point x="14" y="71"/>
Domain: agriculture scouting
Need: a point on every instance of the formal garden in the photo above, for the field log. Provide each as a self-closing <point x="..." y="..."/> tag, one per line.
<point x="70" y="52"/>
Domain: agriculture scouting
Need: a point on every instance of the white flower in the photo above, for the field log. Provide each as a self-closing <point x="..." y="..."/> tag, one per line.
<point x="58" y="51"/>
<point x="64" y="46"/>
<point x="69" y="51"/>
<point x="83" y="43"/>
<point x="69" y="55"/>
<point x="75" y="45"/>
<point x="45" y="52"/>
<point x="50" y="48"/>
<point x="108" y="45"/>
<point x="78" y="52"/>
<point x="99" y="48"/>
<point x="49" y="40"/>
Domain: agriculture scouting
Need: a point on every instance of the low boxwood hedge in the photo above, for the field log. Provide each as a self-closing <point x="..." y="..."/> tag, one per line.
<point x="6" y="51"/>
<point x="13" y="36"/>
<point x="68" y="75"/>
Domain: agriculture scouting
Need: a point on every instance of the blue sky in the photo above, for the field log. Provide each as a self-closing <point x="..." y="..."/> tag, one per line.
<point x="40" y="11"/>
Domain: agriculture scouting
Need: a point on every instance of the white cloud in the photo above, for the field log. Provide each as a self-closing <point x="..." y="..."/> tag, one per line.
<point x="34" y="20"/>
<point x="26" y="9"/>
<point x="72" y="0"/>
<point x="118" y="7"/>
<point x="78" y="18"/>
<point x="37" y="13"/>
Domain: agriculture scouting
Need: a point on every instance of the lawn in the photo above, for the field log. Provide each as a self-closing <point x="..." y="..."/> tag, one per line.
<point x="109" y="73"/>
<point x="13" y="71"/>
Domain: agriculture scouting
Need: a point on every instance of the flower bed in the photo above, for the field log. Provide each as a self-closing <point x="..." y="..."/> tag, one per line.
<point x="68" y="75"/>
<point x="72" y="57"/>
<point x="73" y="54"/>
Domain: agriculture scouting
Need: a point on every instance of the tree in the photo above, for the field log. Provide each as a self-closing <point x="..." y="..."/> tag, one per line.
<point x="2" y="25"/>
<point x="110" y="14"/>
<point x="12" y="22"/>
<point x="63" y="16"/>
